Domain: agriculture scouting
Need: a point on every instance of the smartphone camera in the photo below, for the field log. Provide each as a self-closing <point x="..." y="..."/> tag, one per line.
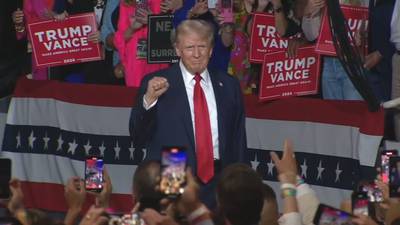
<point x="5" y="177"/>
<point x="173" y="171"/>
<point x="94" y="174"/>
<point x="394" y="183"/>
<point x="385" y="157"/>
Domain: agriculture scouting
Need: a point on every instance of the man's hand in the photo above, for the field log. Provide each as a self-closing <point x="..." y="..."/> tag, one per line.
<point x="199" y="8"/>
<point x="18" y="16"/>
<point x="364" y="220"/>
<point x="171" y="5"/>
<point x="152" y="217"/>
<point x="189" y="201"/>
<point x="103" y="198"/>
<point x="94" y="216"/>
<point x="287" y="165"/>
<point x="75" y="193"/>
<point x="17" y="197"/>
<point x="372" y="59"/>
<point x="156" y="87"/>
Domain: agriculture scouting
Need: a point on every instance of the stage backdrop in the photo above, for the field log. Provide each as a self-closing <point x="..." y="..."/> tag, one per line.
<point x="51" y="126"/>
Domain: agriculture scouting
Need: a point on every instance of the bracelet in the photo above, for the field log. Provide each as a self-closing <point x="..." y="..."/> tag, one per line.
<point x="288" y="186"/>
<point x="197" y="213"/>
<point x="288" y="192"/>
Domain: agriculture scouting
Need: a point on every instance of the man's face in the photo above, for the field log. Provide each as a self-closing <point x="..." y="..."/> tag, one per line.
<point x="195" y="51"/>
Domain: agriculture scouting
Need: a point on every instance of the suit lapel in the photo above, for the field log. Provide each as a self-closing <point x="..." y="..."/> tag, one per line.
<point x="218" y="86"/>
<point x="180" y="95"/>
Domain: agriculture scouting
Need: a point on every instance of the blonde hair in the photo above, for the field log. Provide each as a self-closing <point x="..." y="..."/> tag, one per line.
<point x="199" y="27"/>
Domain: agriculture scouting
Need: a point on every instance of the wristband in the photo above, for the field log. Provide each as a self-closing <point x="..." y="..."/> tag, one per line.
<point x="197" y="213"/>
<point x="288" y="192"/>
<point x="288" y="186"/>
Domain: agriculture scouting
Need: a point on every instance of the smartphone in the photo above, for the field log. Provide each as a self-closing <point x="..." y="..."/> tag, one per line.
<point x="394" y="177"/>
<point x="173" y="171"/>
<point x="373" y="192"/>
<point x="385" y="156"/>
<point x="226" y="8"/>
<point x="94" y="173"/>
<point x="360" y="203"/>
<point x="328" y="215"/>
<point x="5" y="177"/>
<point x="141" y="4"/>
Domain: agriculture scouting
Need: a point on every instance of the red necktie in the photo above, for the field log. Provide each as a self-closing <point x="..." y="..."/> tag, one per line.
<point x="204" y="145"/>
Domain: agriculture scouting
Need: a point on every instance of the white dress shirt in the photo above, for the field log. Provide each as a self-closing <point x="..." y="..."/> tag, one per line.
<point x="208" y="90"/>
<point x="395" y="25"/>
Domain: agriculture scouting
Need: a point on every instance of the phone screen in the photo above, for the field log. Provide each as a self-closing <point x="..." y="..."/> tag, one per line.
<point x="373" y="192"/>
<point x="394" y="184"/>
<point x="5" y="176"/>
<point x="173" y="171"/>
<point x="94" y="174"/>
<point x="360" y="203"/>
<point x="385" y="156"/>
<point x="329" y="215"/>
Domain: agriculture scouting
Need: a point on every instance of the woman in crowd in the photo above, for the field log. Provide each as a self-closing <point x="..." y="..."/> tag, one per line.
<point x="34" y="11"/>
<point x="131" y="39"/>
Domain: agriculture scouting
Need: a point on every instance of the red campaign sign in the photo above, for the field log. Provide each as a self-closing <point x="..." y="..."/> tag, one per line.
<point x="356" y="17"/>
<point x="283" y="77"/>
<point x="64" y="42"/>
<point x="264" y="38"/>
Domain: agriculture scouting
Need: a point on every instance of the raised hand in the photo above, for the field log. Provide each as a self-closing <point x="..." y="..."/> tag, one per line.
<point x="156" y="87"/>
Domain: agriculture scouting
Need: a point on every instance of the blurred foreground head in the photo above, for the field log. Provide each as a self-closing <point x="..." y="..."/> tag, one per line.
<point x="240" y="195"/>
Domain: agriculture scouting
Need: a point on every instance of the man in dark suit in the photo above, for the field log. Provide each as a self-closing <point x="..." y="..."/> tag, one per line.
<point x="193" y="106"/>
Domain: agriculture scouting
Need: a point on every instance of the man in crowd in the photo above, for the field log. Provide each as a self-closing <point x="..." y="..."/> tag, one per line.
<point x="192" y="106"/>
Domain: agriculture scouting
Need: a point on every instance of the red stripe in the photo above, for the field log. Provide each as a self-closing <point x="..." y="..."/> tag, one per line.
<point x="87" y="94"/>
<point x="50" y="197"/>
<point x="348" y="113"/>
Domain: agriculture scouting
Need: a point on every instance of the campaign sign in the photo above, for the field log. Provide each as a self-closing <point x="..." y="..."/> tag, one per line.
<point x="357" y="18"/>
<point x="264" y="38"/>
<point x="64" y="42"/>
<point x="159" y="49"/>
<point x="284" y="77"/>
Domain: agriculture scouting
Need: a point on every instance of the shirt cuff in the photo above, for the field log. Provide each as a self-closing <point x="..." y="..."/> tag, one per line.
<point x="146" y="106"/>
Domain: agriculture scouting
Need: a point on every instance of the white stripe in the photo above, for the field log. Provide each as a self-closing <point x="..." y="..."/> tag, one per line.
<point x="58" y="169"/>
<point x="72" y="117"/>
<point x="312" y="137"/>
<point x="326" y="195"/>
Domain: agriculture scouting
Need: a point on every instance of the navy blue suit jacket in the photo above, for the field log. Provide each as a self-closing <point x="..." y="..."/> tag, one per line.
<point x="169" y="122"/>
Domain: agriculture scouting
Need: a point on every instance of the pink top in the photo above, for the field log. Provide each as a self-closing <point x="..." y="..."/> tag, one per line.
<point x="135" y="69"/>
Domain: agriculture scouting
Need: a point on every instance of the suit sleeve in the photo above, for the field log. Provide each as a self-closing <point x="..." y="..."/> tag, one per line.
<point x="240" y="125"/>
<point x="142" y="122"/>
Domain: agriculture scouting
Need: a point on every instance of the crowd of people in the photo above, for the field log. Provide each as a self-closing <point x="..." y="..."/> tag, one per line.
<point x="123" y="31"/>
<point x="242" y="199"/>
